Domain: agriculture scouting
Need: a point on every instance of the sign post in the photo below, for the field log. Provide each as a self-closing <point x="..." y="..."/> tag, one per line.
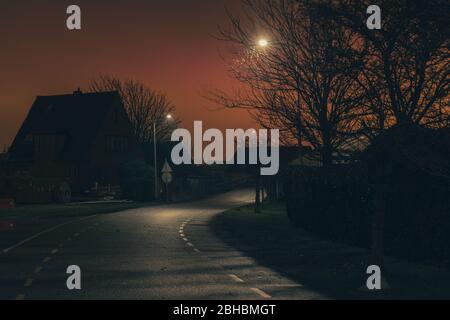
<point x="166" y="177"/>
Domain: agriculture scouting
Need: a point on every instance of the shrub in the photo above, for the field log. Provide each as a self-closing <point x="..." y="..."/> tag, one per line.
<point x="332" y="203"/>
<point x="137" y="181"/>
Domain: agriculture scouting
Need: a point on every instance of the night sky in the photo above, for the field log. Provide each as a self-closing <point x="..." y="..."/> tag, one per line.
<point x="166" y="44"/>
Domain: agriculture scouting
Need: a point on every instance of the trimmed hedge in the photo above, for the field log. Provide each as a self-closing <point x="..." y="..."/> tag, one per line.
<point x="331" y="203"/>
<point x="338" y="203"/>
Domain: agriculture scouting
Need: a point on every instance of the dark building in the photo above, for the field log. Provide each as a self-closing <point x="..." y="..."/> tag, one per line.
<point x="80" y="138"/>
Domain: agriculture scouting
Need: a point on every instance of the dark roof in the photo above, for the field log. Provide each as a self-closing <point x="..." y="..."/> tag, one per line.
<point x="77" y="116"/>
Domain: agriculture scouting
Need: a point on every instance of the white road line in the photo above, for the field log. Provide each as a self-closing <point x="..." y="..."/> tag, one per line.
<point x="28" y="282"/>
<point x="20" y="296"/>
<point x="44" y="232"/>
<point x="38" y="269"/>
<point x="190" y="244"/>
<point x="196" y="250"/>
<point x="54" y="251"/>
<point x="185" y="239"/>
<point x="261" y="293"/>
<point x="235" y="278"/>
<point x="182" y="235"/>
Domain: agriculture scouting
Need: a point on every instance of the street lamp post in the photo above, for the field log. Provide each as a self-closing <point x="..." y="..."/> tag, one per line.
<point x="154" y="160"/>
<point x="264" y="43"/>
<point x="168" y="117"/>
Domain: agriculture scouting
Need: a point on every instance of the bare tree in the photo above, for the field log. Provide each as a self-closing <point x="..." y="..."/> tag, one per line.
<point x="302" y="81"/>
<point x="406" y="78"/>
<point x="407" y="62"/>
<point x="143" y="105"/>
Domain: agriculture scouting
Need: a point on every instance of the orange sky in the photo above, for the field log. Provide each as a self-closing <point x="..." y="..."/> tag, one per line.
<point x="166" y="44"/>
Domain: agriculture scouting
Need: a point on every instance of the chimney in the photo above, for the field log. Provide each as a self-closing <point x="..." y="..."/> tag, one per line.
<point x="77" y="92"/>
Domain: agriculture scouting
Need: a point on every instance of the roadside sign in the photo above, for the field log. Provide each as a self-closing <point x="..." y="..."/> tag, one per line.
<point x="166" y="171"/>
<point x="166" y="168"/>
<point x="166" y="177"/>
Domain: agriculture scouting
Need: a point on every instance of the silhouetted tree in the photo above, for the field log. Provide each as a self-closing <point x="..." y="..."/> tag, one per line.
<point x="407" y="73"/>
<point x="143" y="105"/>
<point x="302" y="81"/>
<point x="406" y="77"/>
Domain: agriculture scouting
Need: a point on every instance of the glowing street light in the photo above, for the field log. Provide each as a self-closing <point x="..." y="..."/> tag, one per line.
<point x="263" y="43"/>
<point x="169" y="117"/>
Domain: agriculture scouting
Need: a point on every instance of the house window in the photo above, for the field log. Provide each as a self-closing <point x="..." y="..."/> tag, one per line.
<point x="48" y="144"/>
<point x="116" y="144"/>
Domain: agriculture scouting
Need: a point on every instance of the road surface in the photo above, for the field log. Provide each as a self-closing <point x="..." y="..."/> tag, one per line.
<point x="160" y="252"/>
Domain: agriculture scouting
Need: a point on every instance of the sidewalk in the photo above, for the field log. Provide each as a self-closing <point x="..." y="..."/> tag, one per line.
<point x="334" y="269"/>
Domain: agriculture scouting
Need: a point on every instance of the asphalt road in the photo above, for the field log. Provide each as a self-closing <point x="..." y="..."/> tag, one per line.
<point x="160" y="252"/>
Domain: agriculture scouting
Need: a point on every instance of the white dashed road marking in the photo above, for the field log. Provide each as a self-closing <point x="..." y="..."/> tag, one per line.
<point x="235" y="278"/>
<point x="37" y="269"/>
<point x="261" y="293"/>
<point x="43" y="232"/>
<point x="28" y="282"/>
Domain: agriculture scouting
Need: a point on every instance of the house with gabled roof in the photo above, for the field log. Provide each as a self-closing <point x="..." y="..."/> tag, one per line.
<point x="82" y="138"/>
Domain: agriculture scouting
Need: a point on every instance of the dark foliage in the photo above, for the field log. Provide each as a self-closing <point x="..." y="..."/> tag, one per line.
<point x="339" y="202"/>
<point x="331" y="203"/>
<point x="137" y="181"/>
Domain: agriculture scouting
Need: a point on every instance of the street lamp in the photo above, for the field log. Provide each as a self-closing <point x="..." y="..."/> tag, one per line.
<point x="168" y="117"/>
<point x="263" y="43"/>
